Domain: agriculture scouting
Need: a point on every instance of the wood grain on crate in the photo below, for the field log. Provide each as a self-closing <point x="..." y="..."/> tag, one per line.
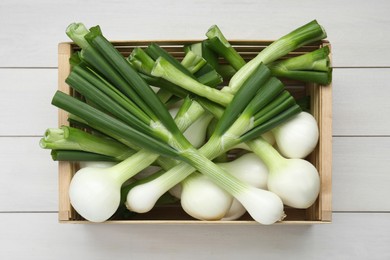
<point x="64" y="168"/>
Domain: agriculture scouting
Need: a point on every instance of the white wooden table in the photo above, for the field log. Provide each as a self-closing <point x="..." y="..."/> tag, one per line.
<point x="359" y="34"/>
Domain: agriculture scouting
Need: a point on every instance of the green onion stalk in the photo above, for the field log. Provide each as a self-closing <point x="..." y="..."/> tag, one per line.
<point x="206" y="73"/>
<point x="211" y="69"/>
<point x="310" y="67"/>
<point x="80" y="156"/>
<point x="202" y="50"/>
<point x="303" y="35"/>
<point x="83" y="144"/>
<point x="218" y="43"/>
<point x="164" y="69"/>
<point x="143" y="63"/>
<point x="193" y="62"/>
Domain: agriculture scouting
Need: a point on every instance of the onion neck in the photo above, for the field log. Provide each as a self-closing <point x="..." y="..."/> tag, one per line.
<point x="221" y="178"/>
<point x="268" y="154"/>
<point x="132" y="165"/>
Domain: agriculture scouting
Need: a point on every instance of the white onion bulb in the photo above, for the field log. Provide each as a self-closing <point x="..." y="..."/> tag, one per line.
<point x="298" y="137"/>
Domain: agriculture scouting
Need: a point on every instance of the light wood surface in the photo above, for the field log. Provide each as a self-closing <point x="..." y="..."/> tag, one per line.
<point x="358" y="32"/>
<point x="41" y="237"/>
<point x="356" y="28"/>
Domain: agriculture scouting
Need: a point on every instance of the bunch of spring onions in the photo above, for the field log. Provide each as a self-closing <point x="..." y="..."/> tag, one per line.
<point x="129" y="122"/>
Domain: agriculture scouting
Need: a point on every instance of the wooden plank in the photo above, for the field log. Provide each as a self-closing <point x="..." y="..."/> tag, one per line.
<point x="351" y="40"/>
<point x="361" y="174"/>
<point x="352" y="235"/>
<point x="28" y="176"/>
<point x="326" y="145"/>
<point x="25" y="101"/>
<point x="325" y="148"/>
<point x="360" y="99"/>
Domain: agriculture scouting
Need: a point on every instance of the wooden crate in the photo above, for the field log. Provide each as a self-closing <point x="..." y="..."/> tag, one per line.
<point x="321" y="157"/>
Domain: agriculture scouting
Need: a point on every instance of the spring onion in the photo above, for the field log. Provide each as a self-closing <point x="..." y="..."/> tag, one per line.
<point x="295" y="181"/>
<point x="95" y="192"/>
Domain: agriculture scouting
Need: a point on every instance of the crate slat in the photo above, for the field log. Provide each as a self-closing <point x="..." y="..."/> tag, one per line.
<point x="65" y="169"/>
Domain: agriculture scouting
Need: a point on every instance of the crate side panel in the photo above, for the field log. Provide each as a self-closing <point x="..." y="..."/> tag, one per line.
<point x="65" y="169"/>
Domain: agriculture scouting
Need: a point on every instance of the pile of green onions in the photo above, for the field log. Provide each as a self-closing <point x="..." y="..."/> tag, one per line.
<point x="124" y="120"/>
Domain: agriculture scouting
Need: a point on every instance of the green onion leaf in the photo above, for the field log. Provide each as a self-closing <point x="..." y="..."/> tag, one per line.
<point x="97" y="118"/>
